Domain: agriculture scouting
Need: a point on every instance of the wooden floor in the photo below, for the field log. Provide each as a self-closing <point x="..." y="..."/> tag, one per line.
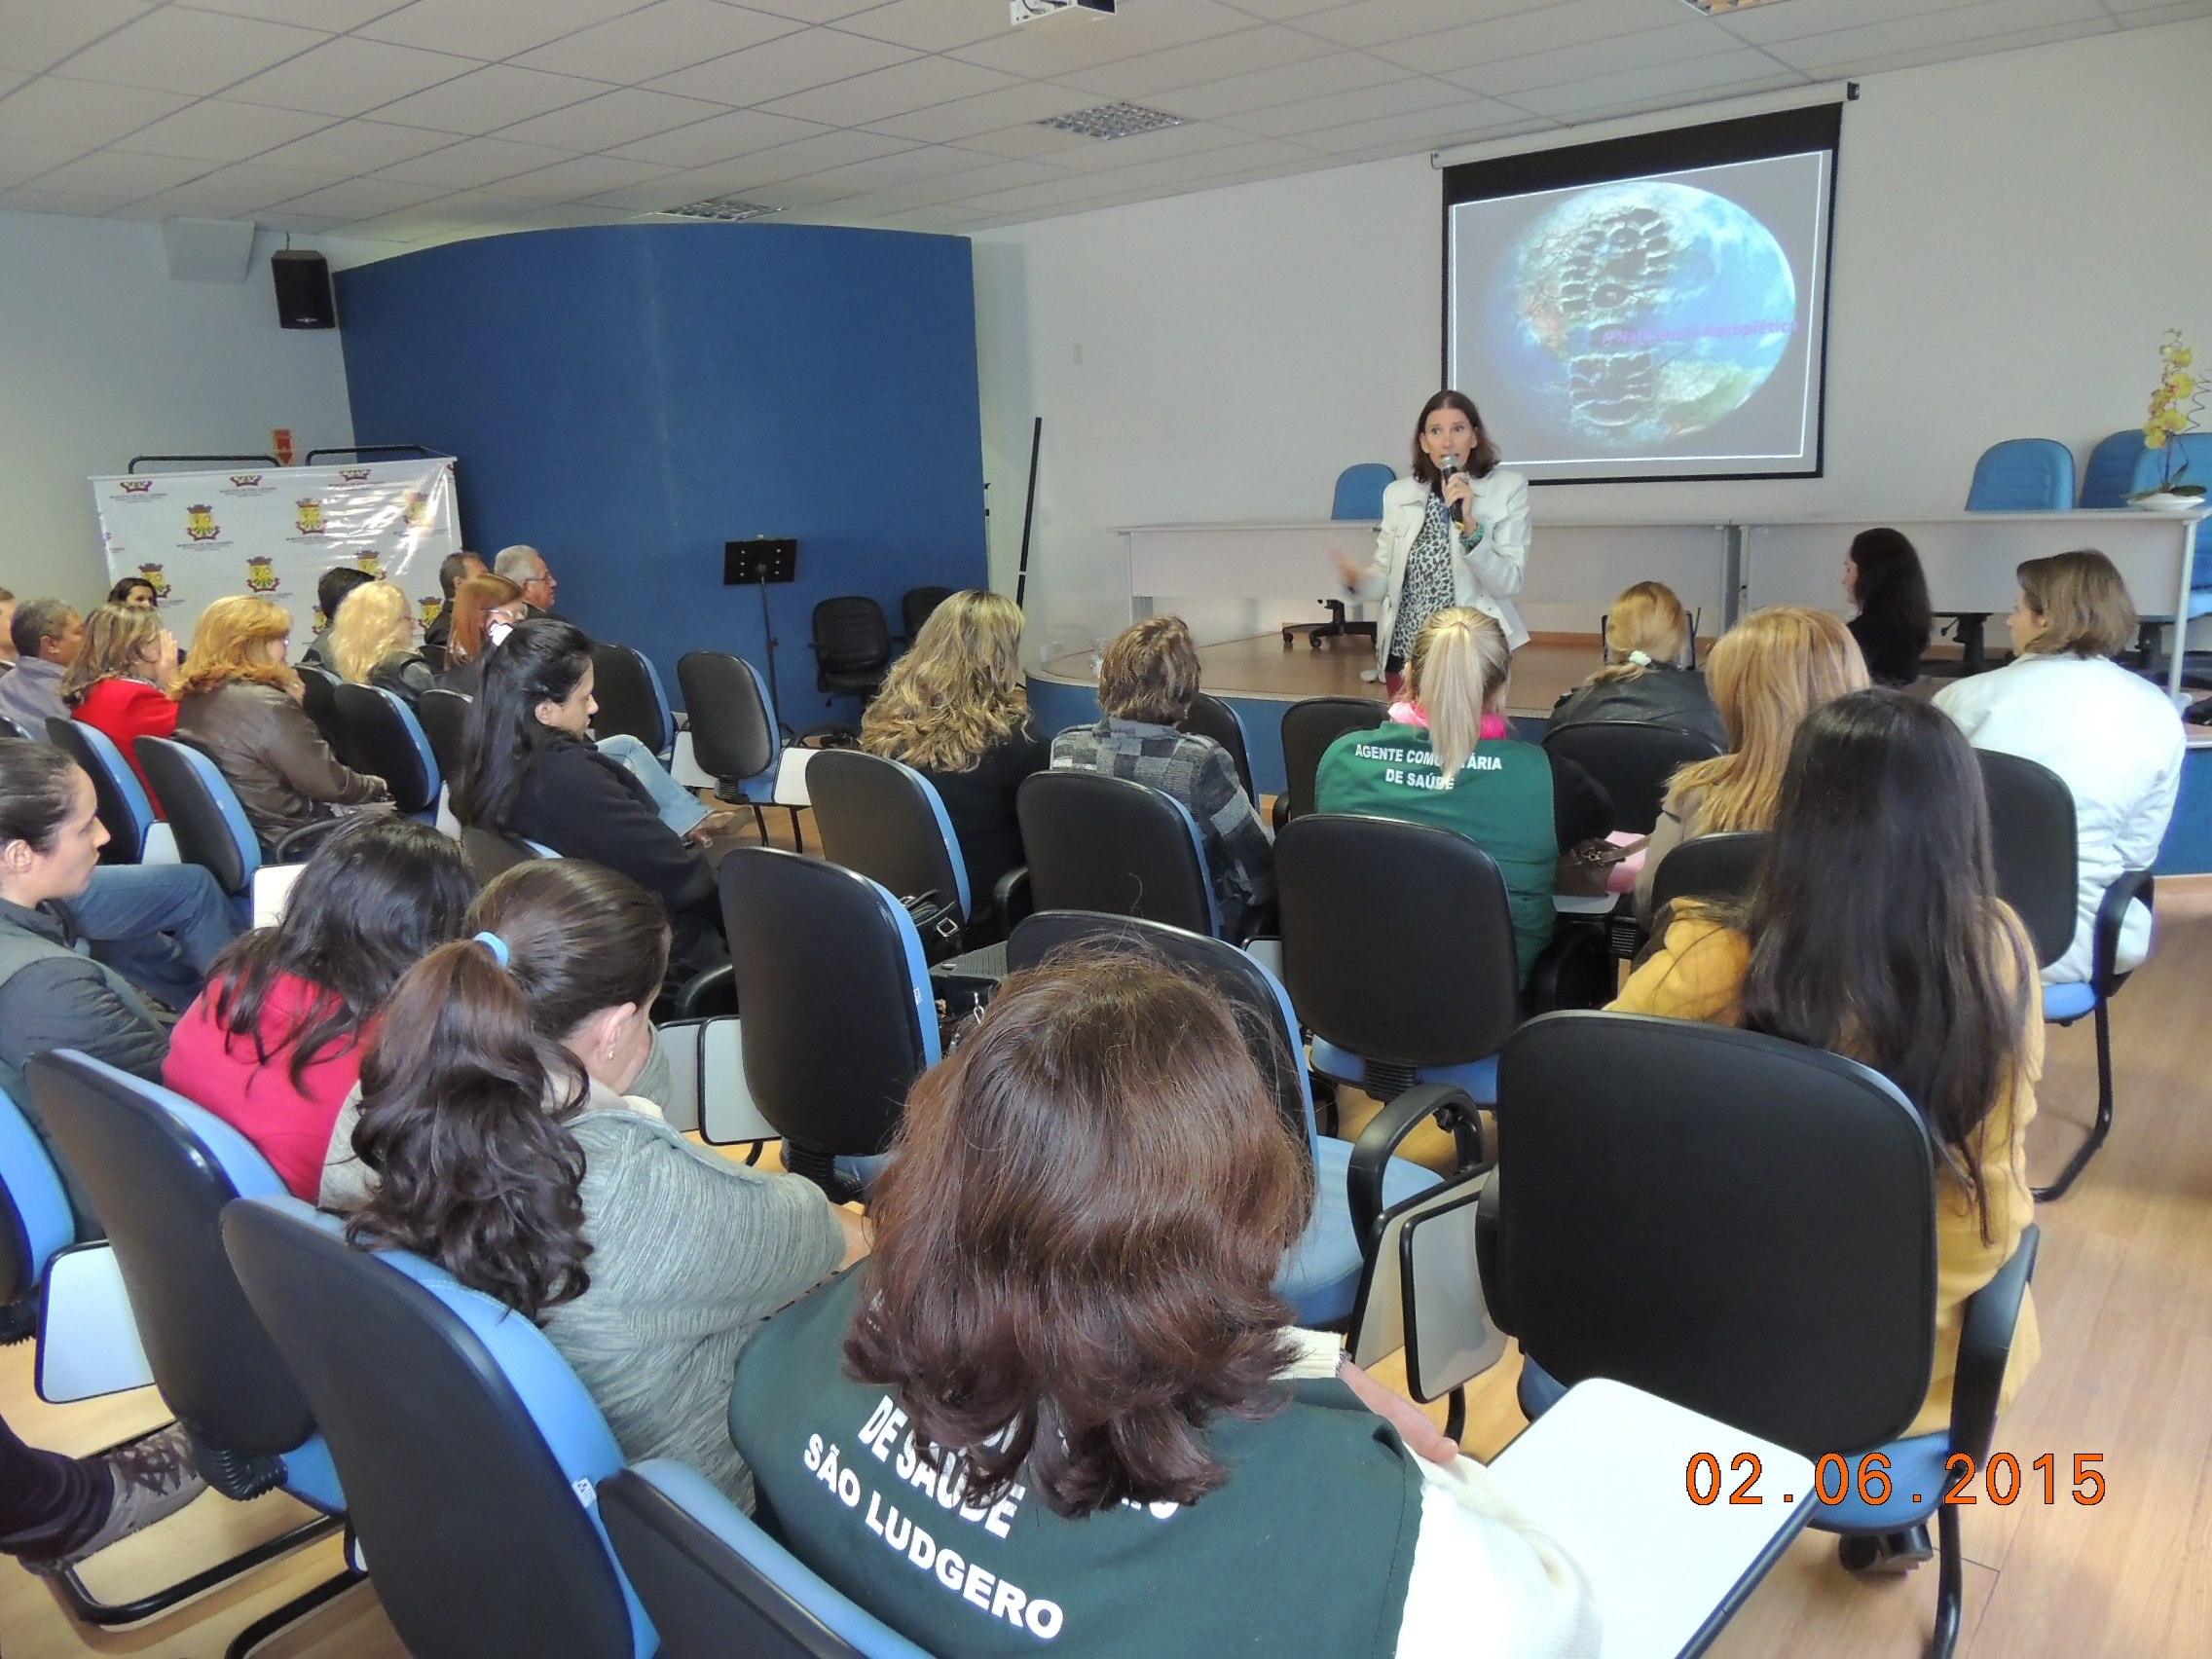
<point x="2124" y="1292"/>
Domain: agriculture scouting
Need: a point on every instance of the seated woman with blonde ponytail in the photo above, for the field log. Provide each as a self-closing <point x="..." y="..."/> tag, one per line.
<point x="1648" y="634"/>
<point x="1444" y="757"/>
<point x="492" y="1133"/>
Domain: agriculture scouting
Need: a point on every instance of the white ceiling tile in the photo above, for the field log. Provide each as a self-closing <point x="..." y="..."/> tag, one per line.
<point x="1421" y="129"/>
<point x="473" y="162"/>
<point x="216" y="130"/>
<point x="1762" y="23"/>
<point x="362" y="198"/>
<point x="177" y="50"/>
<point x="1945" y="51"/>
<point x="119" y="172"/>
<point x="1621" y="55"/>
<point x="658" y="40"/>
<point x="811" y="156"/>
<point x="885" y="172"/>
<point x="612" y="120"/>
<point x="308" y="14"/>
<point x="993" y="176"/>
<point x="349" y="76"/>
<point x="30" y="199"/>
<point x="1729" y="74"/>
<point x="932" y="216"/>
<point x="10" y="78"/>
<point x="22" y="160"/>
<point x="929" y="25"/>
<point x="485" y="99"/>
<point x="1024" y="101"/>
<point x="2156" y="11"/>
<point x="1341" y="109"/>
<point x="1574" y="23"/>
<point x="238" y="191"/>
<point x="1279" y="11"/>
<point x="779" y="67"/>
<point x="719" y="137"/>
<point x="1042" y="51"/>
<point x="1052" y="193"/>
<point x="811" y="11"/>
<point x="654" y="196"/>
<point x="1025" y="140"/>
<point x="54" y="111"/>
<point x="1291" y="83"/>
<point x="1209" y="163"/>
<point x="1378" y="22"/>
<point x="356" y="147"/>
<point x="490" y="31"/>
<point x="899" y="90"/>
<point x="286" y="219"/>
<point x="37" y="34"/>
<point x="1102" y="155"/>
<point x="581" y="175"/>
<point x="1846" y="48"/>
<point x="1158" y="74"/>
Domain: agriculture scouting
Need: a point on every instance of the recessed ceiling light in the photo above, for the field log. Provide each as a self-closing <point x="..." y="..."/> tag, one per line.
<point x="730" y="210"/>
<point x="1719" y="8"/>
<point x="1113" y="121"/>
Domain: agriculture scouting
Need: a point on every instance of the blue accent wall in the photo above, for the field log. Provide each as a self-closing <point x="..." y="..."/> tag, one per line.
<point x="627" y="399"/>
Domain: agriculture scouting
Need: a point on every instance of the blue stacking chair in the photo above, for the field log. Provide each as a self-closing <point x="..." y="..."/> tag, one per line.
<point x="158" y="1172"/>
<point x="2022" y="475"/>
<point x="386" y="739"/>
<point x="631" y="700"/>
<point x="736" y="738"/>
<point x="208" y="820"/>
<point x="1359" y="490"/>
<point x="2109" y="479"/>
<point x="1746" y="1227"/>
<point x="1352" y="1186"/>
<point x="35" y="1219"/>
<point x="1096" y="842"/>
<point x="134" y="833"/>
<point x="839" y="1014"/>
<point x="885" y="820"/>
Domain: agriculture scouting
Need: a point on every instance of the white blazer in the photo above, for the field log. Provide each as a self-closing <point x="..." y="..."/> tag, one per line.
<point x="1486" y="575"/>
<point x="2116" y="741"/>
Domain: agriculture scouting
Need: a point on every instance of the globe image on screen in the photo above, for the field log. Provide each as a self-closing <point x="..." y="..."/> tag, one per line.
<point x="1639" y="313"/>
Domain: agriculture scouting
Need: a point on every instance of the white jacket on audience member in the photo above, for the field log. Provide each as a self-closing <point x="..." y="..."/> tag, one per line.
<point x="2116" y="741"/>
<point x="1486" y="575"/>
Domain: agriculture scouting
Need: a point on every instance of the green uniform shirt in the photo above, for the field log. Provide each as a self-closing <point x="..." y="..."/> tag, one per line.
<point x="1502" y="802"/>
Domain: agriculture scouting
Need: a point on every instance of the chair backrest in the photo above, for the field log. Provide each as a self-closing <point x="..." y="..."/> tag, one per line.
<point x="2022" y="475"/>
<point x="444" y="717"/>
<point x="885" y="820"/>
<point x="1721" y="867"/>
<point x="204" y="813"/>
<point x="1741" y="1225"/>
<point x="1232" y="976"/>
<point x="321" y="701"/>
<point x="1096" y="842"/>
<point x="159" y="1171"/>
<point x="1210" y="717"/>
<point x="1309" y="727"/>
<point x="469" y="1452"/>
<point x="120" y="798"/>
<point x="2032" y="840"/>
<point x="631" y="701"/>
<point x="1631" y="761"/>
<point x="915" y="606"/>
<point x="35" y="1221"/>
<point x="9" y="728"/>
<point x="2109" y="479"/>
<point x="850" y="636"/>
<point x="490" y="852"/>
<point x="1359" y="490"/>
<point x="1397" y="941"/>
<point x="734" y="722"/>
<point x="383" y="735"/>
<point x="839" y="1016"/>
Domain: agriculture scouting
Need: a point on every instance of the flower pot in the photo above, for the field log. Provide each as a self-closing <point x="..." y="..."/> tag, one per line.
<point x="2167" y="502"/>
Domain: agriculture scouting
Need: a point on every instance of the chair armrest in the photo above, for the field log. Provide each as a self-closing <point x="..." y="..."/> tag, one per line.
<point x="2112" y="915"/>
<point x="1011" y="899"/>
<point x="1573" y="970"/>
<point x="1486" y="1254"/>
<point x="289" y="847"/>
<point x="1371" y="1153"/>
<point x="708" y="995"/>
<point x="1266" y="922"/>
<point x="1279" y="814"/>
<point x="1986" y="1343"/>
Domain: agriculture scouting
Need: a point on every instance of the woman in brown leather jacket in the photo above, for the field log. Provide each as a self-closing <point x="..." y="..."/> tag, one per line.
<point x="240" y="701"/>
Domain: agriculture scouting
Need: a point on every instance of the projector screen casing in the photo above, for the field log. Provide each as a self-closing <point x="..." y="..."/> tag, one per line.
<point x="1584" y="377"/>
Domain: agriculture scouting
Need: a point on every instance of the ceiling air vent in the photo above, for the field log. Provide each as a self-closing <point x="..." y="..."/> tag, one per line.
<point x="730" y="210"/>
<point x="1113" y="121"/>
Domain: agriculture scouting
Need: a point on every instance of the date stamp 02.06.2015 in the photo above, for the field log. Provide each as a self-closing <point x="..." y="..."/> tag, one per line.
<point x="1837" y="1477"/>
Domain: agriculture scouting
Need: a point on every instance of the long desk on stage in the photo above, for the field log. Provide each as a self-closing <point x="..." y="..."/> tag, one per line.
<point x="1718" y="568"/>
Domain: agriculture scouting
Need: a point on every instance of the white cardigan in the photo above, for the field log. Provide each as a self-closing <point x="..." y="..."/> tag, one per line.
<point x="2116" y="741"/>
<point x="1486" y="575"/>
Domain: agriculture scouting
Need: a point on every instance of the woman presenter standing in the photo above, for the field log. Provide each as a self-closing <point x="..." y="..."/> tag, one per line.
<point x="1456" y="532"/>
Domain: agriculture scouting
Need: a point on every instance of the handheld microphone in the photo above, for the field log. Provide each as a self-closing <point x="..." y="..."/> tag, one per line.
<point x="1445" y="466"/>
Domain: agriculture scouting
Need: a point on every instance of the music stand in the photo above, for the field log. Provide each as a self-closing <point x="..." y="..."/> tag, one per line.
<point x="755" y="564"/>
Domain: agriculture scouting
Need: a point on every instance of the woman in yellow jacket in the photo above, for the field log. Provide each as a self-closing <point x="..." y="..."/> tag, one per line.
<point x="1928" y="978"/>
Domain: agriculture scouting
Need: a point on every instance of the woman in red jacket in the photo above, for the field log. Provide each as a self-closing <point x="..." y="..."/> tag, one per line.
<point x="118" y="682"/>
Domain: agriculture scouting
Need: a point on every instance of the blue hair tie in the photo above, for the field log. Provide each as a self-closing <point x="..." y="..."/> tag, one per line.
<point x="496" y="945"/>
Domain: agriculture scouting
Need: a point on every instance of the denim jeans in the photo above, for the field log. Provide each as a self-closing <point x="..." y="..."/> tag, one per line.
<point x="159" y="926"/>
<point x="679" y="808"/>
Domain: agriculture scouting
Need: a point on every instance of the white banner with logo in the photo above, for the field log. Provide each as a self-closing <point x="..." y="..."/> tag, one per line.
<point x="199" y="537"/>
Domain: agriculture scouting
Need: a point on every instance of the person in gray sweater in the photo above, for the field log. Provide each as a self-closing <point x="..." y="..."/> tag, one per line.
<point x="493" y="1134"/>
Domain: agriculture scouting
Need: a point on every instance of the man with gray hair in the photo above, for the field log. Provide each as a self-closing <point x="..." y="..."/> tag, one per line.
<point x="526" y="568"/>
<point x="47" y="634"/>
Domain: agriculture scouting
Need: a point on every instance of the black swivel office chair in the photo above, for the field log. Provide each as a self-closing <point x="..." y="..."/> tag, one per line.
<point x="1110" y="844"/>
<point x="1309" y="727"/>
<point x="852" y="646"/>
<point x="1632" y="761"/>
<point x="915" y="606"/>
<point x="444" y="718"/>
<point x="631" y="702"/>
<point x="1210" y="717"/>
<point x="390" y="743"/>
<point x="1721" y="867"/>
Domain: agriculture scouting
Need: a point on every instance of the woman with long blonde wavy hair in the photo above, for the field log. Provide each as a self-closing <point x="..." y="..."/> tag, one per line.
<point x="956" y="708"/>
<point x="372" y="642"/>
<point x="1768" y="673"/>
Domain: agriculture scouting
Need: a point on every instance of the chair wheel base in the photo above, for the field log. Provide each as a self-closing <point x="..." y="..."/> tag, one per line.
<point x="1884" y="1553"/>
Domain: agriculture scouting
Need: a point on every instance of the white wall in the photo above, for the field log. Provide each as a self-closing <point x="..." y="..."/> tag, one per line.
<point x="104" y="356"/>
<point x="2014" y="235"/>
